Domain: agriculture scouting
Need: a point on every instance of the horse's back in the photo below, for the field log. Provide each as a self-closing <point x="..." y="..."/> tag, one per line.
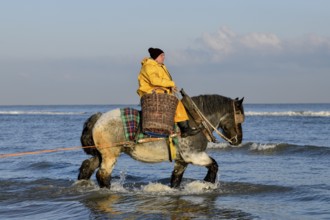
<point x="110" y="115"/>
<point x="109" y="126"/>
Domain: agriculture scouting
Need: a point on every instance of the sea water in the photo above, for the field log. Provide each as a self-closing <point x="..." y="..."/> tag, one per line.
<point x="280" y="171"/>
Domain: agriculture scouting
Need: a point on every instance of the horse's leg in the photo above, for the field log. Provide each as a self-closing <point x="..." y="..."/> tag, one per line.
<point x="177" y="174"/>
<point x="109" y="159"/>
<point x="212" y="171"/>
<point x="107" y="132"/>
<point x="88" y="167"/>
<point x="203" y="159"/>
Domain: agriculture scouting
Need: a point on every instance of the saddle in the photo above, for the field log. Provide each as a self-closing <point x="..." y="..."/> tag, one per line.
<point x="158" y="117"/>
<point x="132" y="124"/>
<point x="134" y="132"/>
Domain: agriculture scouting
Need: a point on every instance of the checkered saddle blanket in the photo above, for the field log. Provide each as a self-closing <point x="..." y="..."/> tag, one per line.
<point x="131" y="121"/>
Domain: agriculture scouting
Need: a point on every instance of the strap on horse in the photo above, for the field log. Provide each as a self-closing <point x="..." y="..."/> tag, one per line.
<point x="197" y="116"/>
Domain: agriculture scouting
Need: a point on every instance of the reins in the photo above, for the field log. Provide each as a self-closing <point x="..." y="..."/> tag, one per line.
<point x="210" y="124"/>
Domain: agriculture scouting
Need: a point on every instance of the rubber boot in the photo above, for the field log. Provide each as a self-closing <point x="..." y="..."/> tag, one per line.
<point x="186" y="130"/>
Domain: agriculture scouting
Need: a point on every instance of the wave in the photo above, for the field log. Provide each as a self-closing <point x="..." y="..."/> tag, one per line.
<point x="290" y="113"/>
<point x="39" y="113"/>
<point x="249" y="113"/>
<point x="274" y="148"/>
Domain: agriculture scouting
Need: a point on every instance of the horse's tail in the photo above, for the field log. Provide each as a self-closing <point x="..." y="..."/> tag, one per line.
<point x="86" y="138"/>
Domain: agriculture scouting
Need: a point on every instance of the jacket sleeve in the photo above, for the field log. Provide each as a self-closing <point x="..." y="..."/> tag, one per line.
<point x="157" y="78"/>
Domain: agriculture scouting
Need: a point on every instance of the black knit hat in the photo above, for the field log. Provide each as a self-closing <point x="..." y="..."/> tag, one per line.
<point x="155" y="52"/>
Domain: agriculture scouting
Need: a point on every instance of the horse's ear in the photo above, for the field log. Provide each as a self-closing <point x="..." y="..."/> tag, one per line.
<point x="241" y="101"/>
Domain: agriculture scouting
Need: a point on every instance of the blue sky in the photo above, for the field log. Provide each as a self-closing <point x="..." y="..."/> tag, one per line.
<point x="89" y="52"/>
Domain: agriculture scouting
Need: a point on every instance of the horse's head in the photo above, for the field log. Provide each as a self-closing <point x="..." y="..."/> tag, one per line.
<point x="222" y="113"/>
<point x="231" y="123"/>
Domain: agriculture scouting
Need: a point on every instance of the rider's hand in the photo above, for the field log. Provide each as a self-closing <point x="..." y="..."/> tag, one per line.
<point x="175" y="89"/>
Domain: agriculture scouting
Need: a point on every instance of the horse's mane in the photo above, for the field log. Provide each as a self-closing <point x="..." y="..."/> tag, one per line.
<point x="212" y="103"/>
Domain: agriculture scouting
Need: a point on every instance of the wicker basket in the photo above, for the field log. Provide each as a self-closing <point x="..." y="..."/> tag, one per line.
<point x="158" y="111"/>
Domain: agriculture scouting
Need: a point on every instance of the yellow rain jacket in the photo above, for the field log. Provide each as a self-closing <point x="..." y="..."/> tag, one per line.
<point x="153" y="75"/>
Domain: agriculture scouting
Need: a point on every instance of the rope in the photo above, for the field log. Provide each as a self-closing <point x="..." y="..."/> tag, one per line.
<point x="127" y="143"/>
<point x="124" y="143"/>
<point x="43" y="151"/>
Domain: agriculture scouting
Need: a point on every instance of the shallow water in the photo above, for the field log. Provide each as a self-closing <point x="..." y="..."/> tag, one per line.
<point x="281" y="170"/>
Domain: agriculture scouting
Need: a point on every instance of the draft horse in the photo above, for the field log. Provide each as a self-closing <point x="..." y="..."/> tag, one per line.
<point x="105" y="130"/>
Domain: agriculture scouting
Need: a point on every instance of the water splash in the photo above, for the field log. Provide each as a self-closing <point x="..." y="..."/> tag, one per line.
<point x="157" y="188"/>
<point x="197" y="187"/>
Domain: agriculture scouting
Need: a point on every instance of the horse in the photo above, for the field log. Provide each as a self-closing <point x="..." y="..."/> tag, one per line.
<point x="105" y="131"/>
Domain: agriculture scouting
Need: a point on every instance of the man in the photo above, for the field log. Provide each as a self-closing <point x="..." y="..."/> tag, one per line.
<point x="154" y="74"/>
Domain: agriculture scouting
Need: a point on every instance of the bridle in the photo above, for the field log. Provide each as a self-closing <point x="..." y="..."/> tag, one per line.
<point x="238" y="119"/>
<point x="238" y="115"/>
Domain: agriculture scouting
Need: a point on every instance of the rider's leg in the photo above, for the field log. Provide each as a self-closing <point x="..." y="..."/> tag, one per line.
<point x="181" y="117"/>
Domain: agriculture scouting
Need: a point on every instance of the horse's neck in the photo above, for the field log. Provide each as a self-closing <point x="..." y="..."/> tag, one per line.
<point x="214" y="108"/>
<point x="215" y="118"/>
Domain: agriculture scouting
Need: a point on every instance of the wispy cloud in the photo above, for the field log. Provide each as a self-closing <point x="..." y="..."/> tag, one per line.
<point x="225" y="45"/>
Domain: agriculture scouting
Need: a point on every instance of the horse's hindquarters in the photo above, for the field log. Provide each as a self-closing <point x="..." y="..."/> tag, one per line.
<point x="150" y="152"/>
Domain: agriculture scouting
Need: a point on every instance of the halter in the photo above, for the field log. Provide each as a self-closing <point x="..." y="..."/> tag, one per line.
<point x="238" y="115"/>
<point x="238" y="119"/>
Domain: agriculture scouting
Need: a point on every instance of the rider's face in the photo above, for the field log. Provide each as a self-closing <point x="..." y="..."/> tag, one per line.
<point x="160" y="59"/>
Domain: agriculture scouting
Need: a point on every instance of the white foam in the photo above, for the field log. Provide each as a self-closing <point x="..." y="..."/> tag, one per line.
<point x="190" y="188"/>
<point x="199" y="187"/>
<point x="221" y="145"/>
<point x="261" y="147"/>
<point x="195" y="187"/>
<point x="290" y="113"/>
<point x="118" y="187"/>
<point x="157" y="188"/>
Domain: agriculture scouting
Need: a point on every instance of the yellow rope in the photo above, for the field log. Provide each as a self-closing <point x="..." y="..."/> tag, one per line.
<point x="124" y="143"/>
<point x="43" y="151"/>
<point x="60" y="149"/>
